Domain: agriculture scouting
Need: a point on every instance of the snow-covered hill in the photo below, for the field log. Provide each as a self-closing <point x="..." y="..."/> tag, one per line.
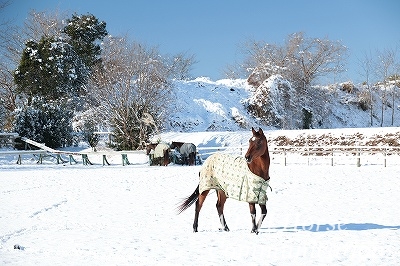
<point x="205" y="105"/>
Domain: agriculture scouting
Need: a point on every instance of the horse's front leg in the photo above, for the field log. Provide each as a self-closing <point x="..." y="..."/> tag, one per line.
<point x="256" y="227"/>
<point x="263" y="214"/>
<point x="220" y="208"/>
<point x="253" y="213"/>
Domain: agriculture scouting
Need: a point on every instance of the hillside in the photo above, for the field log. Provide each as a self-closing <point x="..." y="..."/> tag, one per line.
<point x="205" y="105"/>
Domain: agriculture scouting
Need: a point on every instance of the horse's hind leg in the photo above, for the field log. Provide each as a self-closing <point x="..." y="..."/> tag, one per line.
<point x="192" y="159"/>
<point x="199" y="204"/>
<point x="220" y="208"/>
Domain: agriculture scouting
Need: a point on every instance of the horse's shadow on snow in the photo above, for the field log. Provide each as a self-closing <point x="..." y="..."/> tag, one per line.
<point x="334" y="227"/>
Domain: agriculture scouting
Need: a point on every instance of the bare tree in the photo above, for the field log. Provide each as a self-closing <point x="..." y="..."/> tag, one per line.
<point x="180" y="66"/>
<point x="36" y="26"/>
<point x="385" y="68"/>
<point x="7" y="88"/>
<point x="367" y="67"/>
<point x="131" y="84"/>
<point x="300" y="60"/>
<point x="4" y="25"/>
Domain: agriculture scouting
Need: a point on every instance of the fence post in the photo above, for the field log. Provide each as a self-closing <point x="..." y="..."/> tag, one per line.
<point x="332" y="158"/>
<point x="125" y="160"/>
<point x="71" y="159"/>
<point x="358" y="158"/>
<point x="85" y="159"/>
<point x="105" y="160"/>
<point x="384" y="156"/>
<point x="284" y="155"/>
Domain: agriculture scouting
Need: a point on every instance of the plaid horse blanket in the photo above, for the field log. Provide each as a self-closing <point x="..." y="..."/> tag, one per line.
<point x="232" y="175"/>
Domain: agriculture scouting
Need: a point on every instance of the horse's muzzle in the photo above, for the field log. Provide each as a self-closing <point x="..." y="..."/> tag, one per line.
<point x="248" y="158"/>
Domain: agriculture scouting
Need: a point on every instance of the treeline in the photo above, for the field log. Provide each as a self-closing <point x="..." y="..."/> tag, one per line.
<point x="59" y="71"/>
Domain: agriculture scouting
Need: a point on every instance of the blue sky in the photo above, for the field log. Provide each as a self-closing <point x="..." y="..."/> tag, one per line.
<point x="213" y="30"/>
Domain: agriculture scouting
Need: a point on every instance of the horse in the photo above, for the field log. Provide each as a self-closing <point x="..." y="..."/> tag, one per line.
<point x="187" y="150"/>
<point x="218" y="167"/>
<point x="161" y="153"/>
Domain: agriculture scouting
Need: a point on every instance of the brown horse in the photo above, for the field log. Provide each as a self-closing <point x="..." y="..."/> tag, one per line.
<point x="187" y="151"/>
<point x="258" y="161"/>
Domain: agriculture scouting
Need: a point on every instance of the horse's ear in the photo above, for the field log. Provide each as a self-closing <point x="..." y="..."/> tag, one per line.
<point x="252" y="129"/>
<point x="260" y="131"/>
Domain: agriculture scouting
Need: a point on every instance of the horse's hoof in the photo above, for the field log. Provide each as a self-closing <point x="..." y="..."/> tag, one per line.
<point x="254" y="231"/>
<point x="226" y="229"/>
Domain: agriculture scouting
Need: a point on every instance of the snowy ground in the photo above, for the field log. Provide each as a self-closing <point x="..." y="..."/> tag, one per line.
<point x="125" y="215"/>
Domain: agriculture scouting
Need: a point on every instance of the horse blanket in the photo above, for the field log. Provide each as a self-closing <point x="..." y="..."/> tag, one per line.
<point x="159" y="150"/>
<point x="232" y="175"/>
<point x="187" y="148"/>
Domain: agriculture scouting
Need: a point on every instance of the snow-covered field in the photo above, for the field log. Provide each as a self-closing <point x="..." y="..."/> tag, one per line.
<point x="125" y="215"/>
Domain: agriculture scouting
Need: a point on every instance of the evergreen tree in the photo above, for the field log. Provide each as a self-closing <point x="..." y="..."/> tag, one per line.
<point x="84" y="31"/>
<point x="50" y="69"/>
<point x="48" y="123"/>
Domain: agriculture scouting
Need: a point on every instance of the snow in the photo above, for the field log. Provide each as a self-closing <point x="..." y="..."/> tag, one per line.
<point x="205" y="105"/>
<point x="126" y="215"/>
<point x="318" y="214"/>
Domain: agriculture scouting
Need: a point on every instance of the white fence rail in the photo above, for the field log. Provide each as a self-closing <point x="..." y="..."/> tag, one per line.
<point x="335" y="154"/>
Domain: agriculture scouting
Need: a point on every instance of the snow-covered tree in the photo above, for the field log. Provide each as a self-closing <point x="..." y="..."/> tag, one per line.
<point x="386" y="67"/>
<point x="50" y="69"/>
<point x="180" y="66"/>
<point x="300" y="60"/>
<point x="45" y="122"/>
<point x="131" y="84"/>
<point x="85" y="32"/>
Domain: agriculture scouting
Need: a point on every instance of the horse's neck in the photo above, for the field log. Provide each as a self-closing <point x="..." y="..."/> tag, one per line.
<point x="260" y="166"/>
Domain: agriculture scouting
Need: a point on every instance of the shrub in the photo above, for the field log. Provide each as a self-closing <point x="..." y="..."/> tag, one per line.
<point x="47" y="123"/>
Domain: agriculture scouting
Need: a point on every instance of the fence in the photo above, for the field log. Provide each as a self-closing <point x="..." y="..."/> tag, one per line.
<point x="279" y="154"/>
<point x="335" y="154"/>
<point x="8" y="139"/>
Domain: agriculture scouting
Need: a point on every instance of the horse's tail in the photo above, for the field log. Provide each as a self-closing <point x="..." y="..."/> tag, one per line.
<point x="187" y="202"/>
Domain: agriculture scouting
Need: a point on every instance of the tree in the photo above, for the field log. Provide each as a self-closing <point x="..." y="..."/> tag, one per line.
<point x="83" y="32"/>
<point x="385" y="68"/>
<point x="8" y="97"/>
<point x="45" y="122"/>
<point x="180" y="66"/>
<point x="131" y="84"/>
<point x="367" y="71"/>
<point x="300" y="60"/>
<point x="50" y="69"/>
<point x="7" y="87"/>
<point x="4" y="27"/>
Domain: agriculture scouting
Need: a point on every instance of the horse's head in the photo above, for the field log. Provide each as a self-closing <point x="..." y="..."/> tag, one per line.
<point x="257" y="145"/>
<point x="175" y="144"/>
<point x="150" y="147"/>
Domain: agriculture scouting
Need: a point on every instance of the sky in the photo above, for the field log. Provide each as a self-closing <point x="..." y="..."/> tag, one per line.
<point x="213" y="31"/>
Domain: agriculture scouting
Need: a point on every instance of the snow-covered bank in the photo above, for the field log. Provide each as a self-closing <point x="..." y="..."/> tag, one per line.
<point x="123" y="215"/>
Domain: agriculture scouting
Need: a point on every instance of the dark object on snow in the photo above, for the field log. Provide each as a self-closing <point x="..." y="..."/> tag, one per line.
<point x="16" y="246"/>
